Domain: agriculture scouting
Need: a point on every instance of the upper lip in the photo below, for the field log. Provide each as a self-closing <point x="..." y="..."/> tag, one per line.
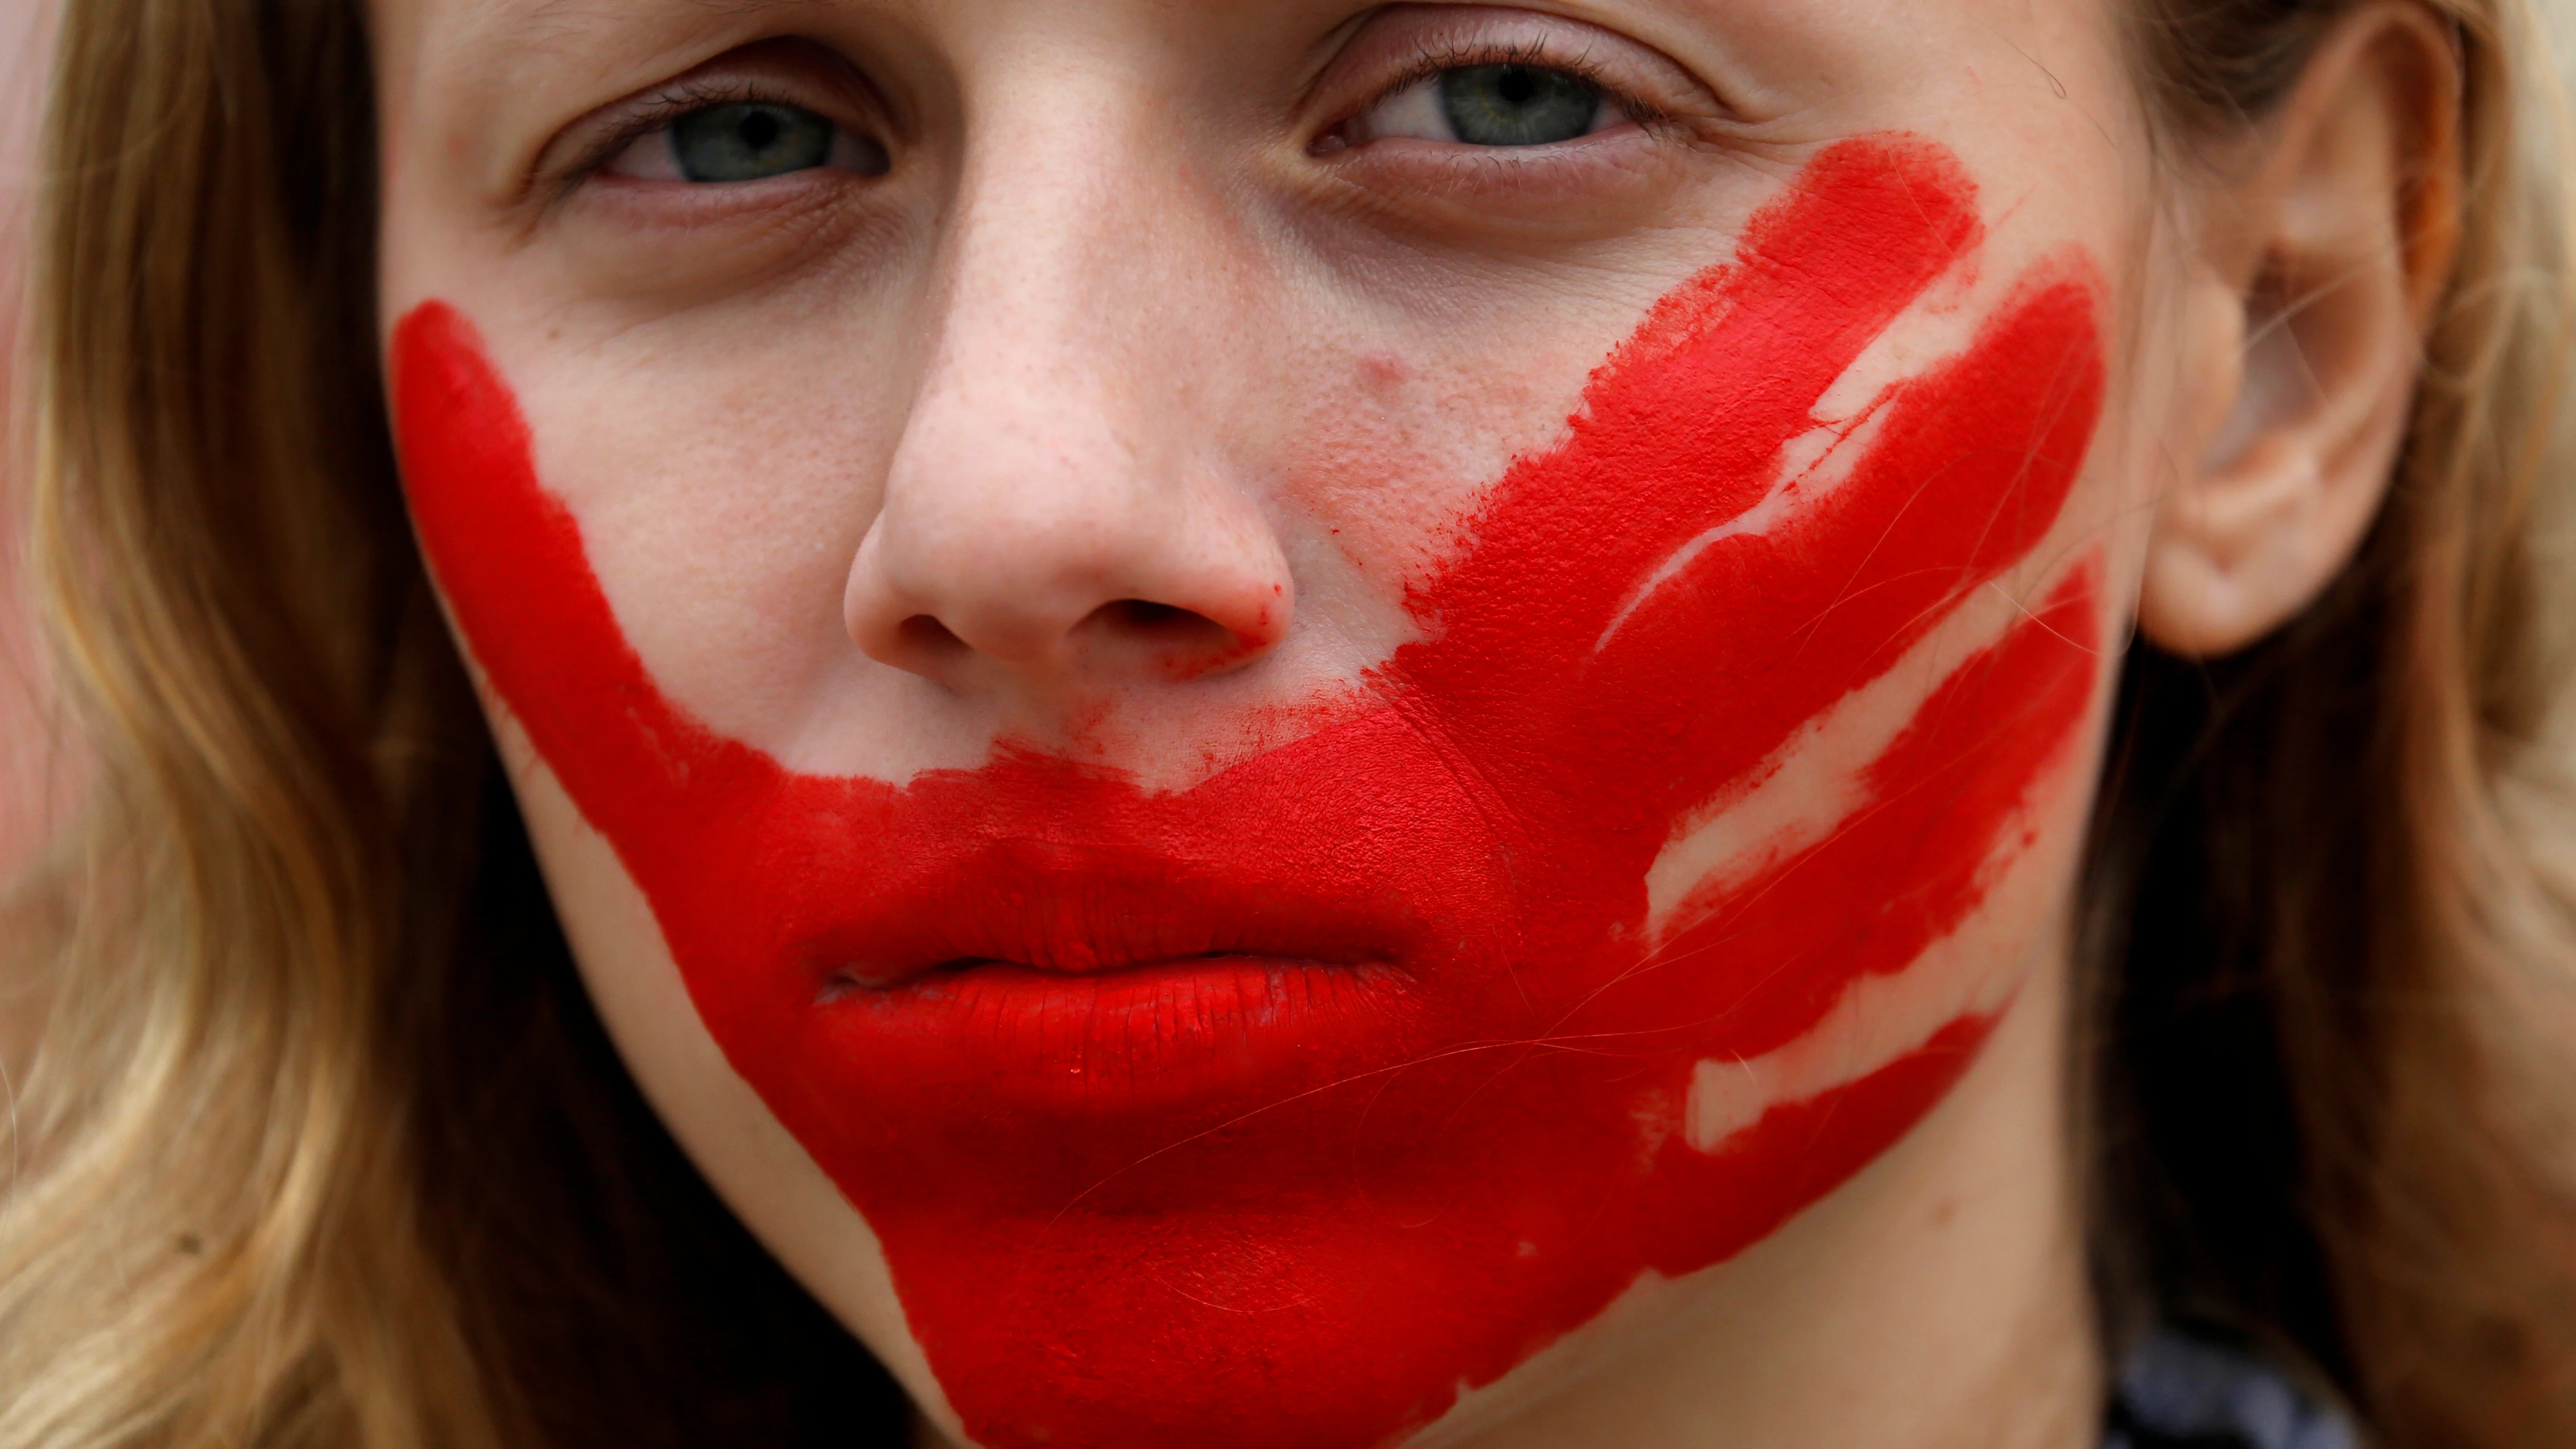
<point x="1088" y="908"/>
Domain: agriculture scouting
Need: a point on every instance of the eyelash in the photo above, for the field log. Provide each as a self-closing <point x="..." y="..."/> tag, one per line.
<point x="1431" y="60"/>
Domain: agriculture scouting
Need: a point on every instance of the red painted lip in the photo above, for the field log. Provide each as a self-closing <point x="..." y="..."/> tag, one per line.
<point x="1150" y="1036"/>
<point x="1065" y="908"/>
<point x="1082" y="977"/>
<point x="1022" y="975"/>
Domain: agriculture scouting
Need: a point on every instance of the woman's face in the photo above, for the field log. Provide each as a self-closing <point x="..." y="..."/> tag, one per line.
<point x="1242" y="708"/>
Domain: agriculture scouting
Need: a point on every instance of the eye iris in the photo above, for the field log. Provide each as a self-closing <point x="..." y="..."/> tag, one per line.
<point x="1517" y="105"/>
<point x="746" y="142"/>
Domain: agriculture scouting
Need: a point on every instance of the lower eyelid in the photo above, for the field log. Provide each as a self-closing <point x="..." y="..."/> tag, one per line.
<point x="1613" y="161"/>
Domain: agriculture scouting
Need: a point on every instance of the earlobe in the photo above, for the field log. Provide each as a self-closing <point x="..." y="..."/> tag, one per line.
<point x="2322" y="256"/>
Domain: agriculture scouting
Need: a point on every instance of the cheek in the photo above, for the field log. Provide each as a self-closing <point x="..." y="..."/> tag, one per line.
<point x="1272" y="1111"/>
<point x="722" y="489"/>
<point x="1399" y="428"/>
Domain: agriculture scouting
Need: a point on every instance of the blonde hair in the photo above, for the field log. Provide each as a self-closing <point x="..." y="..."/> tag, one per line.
<point x="321" y="1145"/>
<point x="2332" y="888"/>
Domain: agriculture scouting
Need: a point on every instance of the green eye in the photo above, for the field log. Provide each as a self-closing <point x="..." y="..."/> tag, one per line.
<point x="748" y="141"/>
<point x="1517" y="105"/>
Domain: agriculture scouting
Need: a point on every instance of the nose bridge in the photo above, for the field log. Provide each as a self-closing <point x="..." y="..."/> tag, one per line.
<point x="1064" y="177"/>
<point x="1059" y="489"/>
<point x="1037" y="336"/>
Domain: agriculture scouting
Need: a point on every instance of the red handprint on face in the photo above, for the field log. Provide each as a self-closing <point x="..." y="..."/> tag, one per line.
<point x="1274" y="1110"/>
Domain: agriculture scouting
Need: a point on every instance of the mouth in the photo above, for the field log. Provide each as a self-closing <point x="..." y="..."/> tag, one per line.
<point x="1083" y="960"/>
<point x="1146" y="941"/>
<point x="1057" y="908"/>
<point x="1093" y="976"/>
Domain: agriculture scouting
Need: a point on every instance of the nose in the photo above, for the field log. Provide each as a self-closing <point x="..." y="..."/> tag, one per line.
<point x="1043" y="550"/>
<point x="1061" y="506"/>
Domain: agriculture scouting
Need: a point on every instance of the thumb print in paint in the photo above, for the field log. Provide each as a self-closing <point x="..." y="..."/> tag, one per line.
<point x="1272" y="1111"/>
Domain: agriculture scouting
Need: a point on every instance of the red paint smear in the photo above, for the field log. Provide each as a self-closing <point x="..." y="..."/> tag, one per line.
<point x="1417" y="1115"/>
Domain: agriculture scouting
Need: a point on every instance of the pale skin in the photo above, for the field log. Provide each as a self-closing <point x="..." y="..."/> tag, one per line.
<point x="795" y="416"/>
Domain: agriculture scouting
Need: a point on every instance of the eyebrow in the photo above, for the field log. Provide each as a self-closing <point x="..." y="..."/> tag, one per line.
<point x="564" y="17"/>
<point x="520" y="57"/>
<point x="559" y="10"/>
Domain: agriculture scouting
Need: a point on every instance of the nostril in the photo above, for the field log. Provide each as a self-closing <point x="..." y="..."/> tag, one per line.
<point x="1150" y="617"/>
<point x="1181" y="643"/>
<point x="926" y="634"/>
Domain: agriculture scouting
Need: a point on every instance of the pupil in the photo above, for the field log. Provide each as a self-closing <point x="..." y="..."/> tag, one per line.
<point x="1517" y="105"/>
<point x="759" y="130"/>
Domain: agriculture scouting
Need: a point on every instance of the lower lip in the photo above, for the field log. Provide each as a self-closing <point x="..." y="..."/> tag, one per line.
<point x="1147" y="1037"/>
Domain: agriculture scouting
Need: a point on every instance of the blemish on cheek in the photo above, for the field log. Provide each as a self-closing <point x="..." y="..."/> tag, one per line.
<point x="1377" y="1032"/>
<point x="1383" y="371"/>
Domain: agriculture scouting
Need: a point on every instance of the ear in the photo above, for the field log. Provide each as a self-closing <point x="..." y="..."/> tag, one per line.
<point x="2325" y="238"/>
